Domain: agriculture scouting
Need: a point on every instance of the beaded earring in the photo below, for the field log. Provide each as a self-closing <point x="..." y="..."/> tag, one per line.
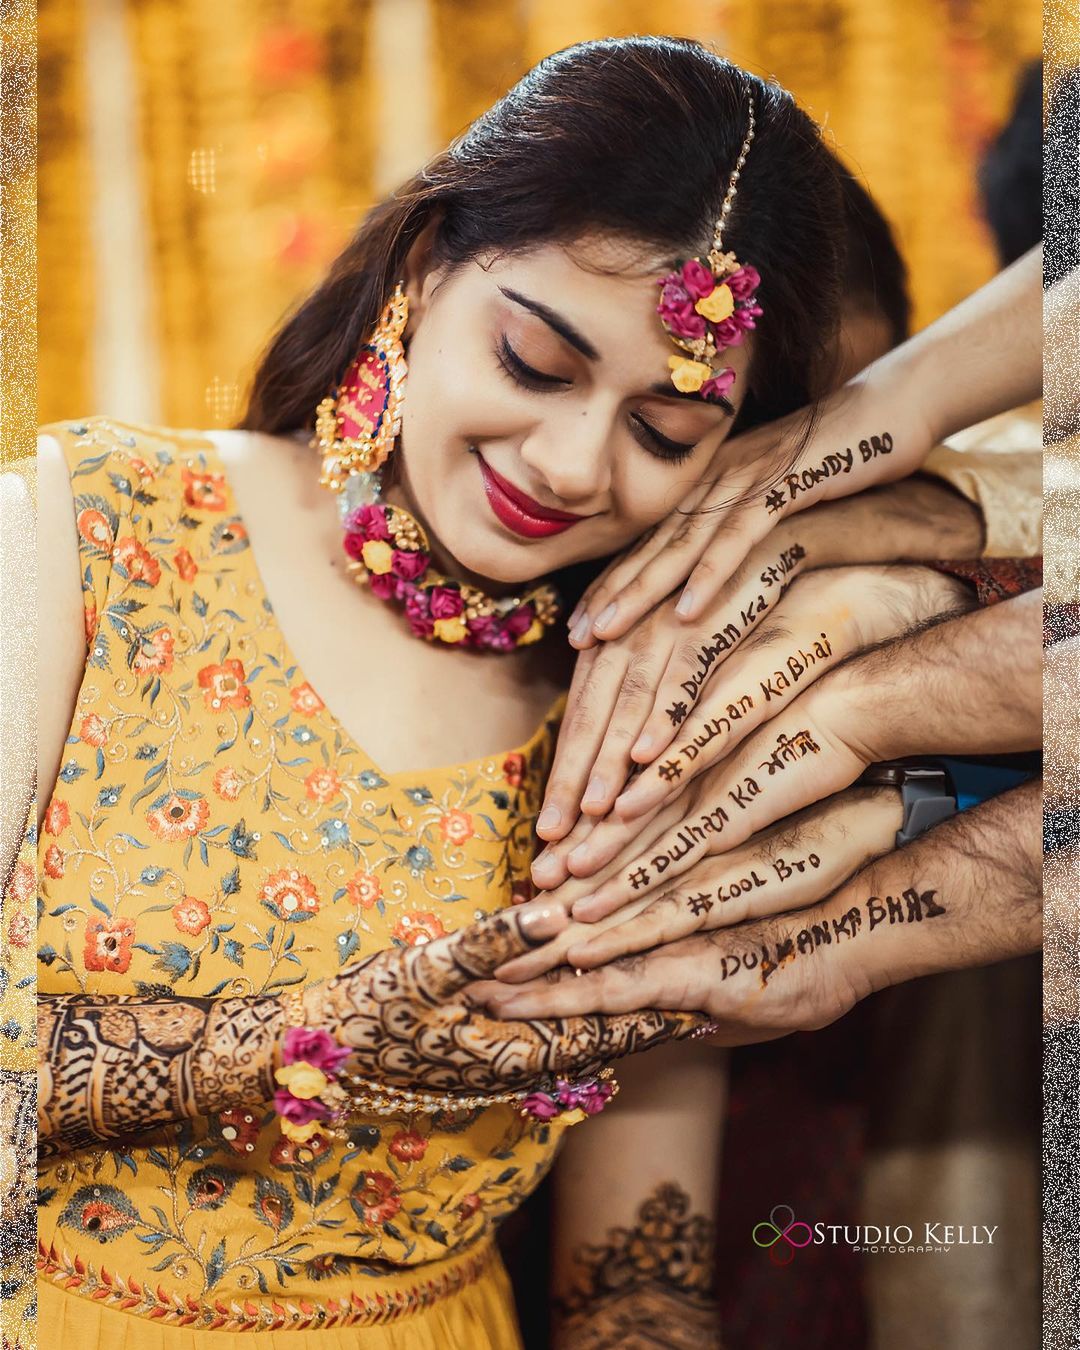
<point x="356" y="429"/>
<point x="356" y="426"/>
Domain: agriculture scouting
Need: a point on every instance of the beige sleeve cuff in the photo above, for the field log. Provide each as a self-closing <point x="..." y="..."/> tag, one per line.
<point x="1007" y="488"/>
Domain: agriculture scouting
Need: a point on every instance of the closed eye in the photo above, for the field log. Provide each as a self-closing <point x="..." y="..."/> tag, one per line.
<point x="522" y="373"/>
<point x="657" y="443"/>
<point x="652" y="440"/>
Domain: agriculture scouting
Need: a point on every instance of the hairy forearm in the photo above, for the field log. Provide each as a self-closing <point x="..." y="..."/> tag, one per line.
<point x="968" y="893"/>
<point x="112" y="1067"/>
<point x="635" y="1196"/>
<point x="970" y="686"/>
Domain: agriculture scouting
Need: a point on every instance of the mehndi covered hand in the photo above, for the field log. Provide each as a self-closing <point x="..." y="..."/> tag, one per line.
<point x="111" y="1067"/>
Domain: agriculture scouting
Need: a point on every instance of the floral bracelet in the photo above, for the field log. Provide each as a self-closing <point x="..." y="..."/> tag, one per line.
<point x="317" y="1096"/>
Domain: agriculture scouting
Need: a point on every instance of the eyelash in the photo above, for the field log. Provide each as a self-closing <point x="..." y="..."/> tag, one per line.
<point x="672" y="452"/>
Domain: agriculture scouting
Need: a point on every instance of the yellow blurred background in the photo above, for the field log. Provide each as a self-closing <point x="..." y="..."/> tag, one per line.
<point x="201" y="162"/>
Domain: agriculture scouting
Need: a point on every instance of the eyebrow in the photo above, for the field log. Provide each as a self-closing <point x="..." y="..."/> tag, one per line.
<point x="566" y="330"/>
<point x="664" y="390"/>
<point x="555" y="322"/>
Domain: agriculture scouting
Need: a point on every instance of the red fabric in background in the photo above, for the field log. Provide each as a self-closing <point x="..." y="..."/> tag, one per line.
<point x="795" y="1132"/>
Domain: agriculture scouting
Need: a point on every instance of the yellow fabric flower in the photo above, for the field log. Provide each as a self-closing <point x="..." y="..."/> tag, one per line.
<point x="718" y="306"/>
<point x="302" y="1079"/>
<point x="533" y="633"/>
<point x="378" y="556"/>
<point x="300" y="1134"/>
<point x="450" y="630"/>
<point x="687" y="376"/>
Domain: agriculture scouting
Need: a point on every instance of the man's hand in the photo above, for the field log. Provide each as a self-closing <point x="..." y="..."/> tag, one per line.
<point x="965" y="894"/>
<point x="981" y="358"/>
<point x="786" y="868"/>
<point x="629" y="695"/>
<point x="970" y="686"/>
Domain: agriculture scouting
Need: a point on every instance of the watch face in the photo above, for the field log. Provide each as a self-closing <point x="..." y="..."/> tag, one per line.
<point x="889" y="775"/>
<point x="896" y="775"/>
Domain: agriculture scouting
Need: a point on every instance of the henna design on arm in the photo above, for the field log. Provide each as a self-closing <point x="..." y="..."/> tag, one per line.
<point x="647" y="1286"/>
<point x="111" y="1067"/>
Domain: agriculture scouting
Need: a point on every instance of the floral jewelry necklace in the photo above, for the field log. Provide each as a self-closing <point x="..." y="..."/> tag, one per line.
<point x="390" y="554"/>
<point x="356" y="430"/>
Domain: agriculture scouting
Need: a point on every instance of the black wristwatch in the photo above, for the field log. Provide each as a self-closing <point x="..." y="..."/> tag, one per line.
<point x="926" y="791"/>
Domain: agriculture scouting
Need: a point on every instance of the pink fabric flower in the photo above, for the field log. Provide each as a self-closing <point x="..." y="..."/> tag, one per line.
<point x="676" y="308"/>
<point x="446" y="602"/>
<point x="690" y="324"/>
<point x="673" y="294"/>
<point x="718" y="386"/>
<point x="698" y="279"/>
<point x="593" y="1097"/>
<point x="299" y="1110"/>
<point x="744" y="282"/>
<point x="368" y="520"/>
<point x="541" y="1106"/>
<point x="409" y="565"/>
<point x="419" y="615"/>
<point x="489" y="631"/>
<point x="745" y="315"/>
<point x="384" y="585"/>
<point x="728" y="332"/>
<point x="314" y="1046"/>
<point x="519" y="621"/>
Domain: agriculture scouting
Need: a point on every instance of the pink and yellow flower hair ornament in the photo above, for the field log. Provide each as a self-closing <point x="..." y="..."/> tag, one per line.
<point x="709" y="304"/>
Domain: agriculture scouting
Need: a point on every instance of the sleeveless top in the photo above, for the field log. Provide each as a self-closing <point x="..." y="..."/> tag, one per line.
<point x="215" y="831"/>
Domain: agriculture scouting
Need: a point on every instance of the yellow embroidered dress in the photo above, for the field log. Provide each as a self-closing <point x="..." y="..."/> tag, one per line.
<point x="215" y="831"/>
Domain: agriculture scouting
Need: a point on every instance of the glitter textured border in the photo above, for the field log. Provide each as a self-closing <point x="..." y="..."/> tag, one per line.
<point x="1061" y="951"/>
<point x="18" y="417"/>
<point x="1061" y="1146"/>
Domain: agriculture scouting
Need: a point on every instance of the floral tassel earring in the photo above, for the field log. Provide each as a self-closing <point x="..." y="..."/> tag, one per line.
<point x="356" y="429"/>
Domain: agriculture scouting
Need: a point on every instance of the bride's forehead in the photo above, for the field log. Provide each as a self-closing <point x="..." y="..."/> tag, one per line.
<point x="603" y="285"/>
<point x="593" y="260"/>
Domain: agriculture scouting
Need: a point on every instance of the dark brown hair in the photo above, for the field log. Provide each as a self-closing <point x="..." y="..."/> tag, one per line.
<point x="875" y="277"/>
<point x="632" y="138"/>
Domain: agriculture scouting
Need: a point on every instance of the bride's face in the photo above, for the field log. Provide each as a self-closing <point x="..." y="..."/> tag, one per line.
<point x="540" y="426"/>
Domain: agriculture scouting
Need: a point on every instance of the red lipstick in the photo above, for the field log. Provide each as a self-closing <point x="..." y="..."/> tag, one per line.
<point x="520" y="512"/>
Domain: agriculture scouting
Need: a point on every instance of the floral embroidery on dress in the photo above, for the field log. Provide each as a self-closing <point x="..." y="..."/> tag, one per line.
<point x="215" y="831"/>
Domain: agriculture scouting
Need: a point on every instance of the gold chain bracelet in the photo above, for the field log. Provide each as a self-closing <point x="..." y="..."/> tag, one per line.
<point x="366" y="1095"/>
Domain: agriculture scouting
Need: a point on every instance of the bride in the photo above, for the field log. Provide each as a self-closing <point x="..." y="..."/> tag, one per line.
<point x="266" y="1103"/>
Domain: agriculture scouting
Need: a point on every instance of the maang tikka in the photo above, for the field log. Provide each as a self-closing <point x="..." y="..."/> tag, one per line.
<point x="710" y="304"/>
<point x="356" y="429"/>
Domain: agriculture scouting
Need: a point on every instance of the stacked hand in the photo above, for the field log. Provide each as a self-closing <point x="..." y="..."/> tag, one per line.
<point x="966" y="894"/>
<point x="791" y="600"/>
<point x="408" y="1015"/>
<point x="774" y="826"/>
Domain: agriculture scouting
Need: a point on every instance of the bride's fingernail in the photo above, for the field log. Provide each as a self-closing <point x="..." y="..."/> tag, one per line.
<point x="643" y="746"/>
<point x="549" y="818"/>
<point x="578" y="856"/>
<point x="575" y="614"/>
<point x="544" y="866"/>
<point x="595" y="792"/>
<point x="604" y="618"/>
<point x="686" y="602"/>
<point x="539" y="924"/>
<point x="581" y="629"/>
